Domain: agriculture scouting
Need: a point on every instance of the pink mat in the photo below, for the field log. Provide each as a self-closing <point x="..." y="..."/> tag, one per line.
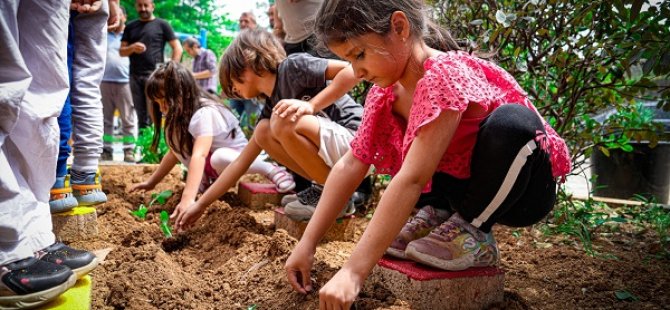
<point x="259" y="188"/>
<point x="420" y="272"/>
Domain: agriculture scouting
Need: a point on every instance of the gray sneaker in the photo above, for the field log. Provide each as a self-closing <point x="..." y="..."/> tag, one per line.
<point x="305" y="193"/>
<point x="304" y="207"/>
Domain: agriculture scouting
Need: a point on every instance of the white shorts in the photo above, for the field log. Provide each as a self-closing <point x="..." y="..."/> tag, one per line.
<point x="334" y="140"/>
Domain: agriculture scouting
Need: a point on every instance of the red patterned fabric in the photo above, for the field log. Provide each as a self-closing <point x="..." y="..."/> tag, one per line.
<point x="451" y="81"/>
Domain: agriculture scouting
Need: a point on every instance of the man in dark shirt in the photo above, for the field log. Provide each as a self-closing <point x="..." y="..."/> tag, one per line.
<point x="144" y="41"/>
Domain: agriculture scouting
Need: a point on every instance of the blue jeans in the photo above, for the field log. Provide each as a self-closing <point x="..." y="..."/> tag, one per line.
<point x="65" y="117"/>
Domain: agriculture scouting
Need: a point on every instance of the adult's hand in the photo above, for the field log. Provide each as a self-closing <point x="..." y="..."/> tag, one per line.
<point x="113" y="21"/>
<point x="138" y="47"/>
<point x="85" y="6"/>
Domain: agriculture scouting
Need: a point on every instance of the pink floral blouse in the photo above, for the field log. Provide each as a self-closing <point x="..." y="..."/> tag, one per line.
<point x="451" y="81"/>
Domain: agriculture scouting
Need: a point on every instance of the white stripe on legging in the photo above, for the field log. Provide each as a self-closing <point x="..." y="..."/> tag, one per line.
<point x="507" y="184"/>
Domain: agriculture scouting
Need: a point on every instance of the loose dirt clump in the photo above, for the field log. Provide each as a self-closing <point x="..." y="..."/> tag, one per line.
<point x="234" y="259"/>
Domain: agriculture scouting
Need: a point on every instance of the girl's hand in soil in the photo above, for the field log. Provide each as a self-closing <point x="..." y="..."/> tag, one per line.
<point x="144" y="186"/>
<point x="186" y="217"/>
<point x="181" y="208"/>
<point x="298" y="267"/>
<point x="341" y="291"/>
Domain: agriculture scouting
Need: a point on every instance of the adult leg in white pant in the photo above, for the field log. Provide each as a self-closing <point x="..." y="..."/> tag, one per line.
<point x="33" y="86"/>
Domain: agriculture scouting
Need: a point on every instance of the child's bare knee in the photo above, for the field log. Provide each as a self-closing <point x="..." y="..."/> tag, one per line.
<point x="282" y="128"/>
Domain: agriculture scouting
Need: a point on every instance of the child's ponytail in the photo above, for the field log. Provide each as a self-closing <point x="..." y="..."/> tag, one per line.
<point x="439" y="38"/>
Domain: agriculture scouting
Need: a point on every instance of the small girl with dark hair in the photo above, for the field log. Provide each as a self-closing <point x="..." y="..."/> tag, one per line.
<point x="306" y="125"/>
<point x="201" y="133"/>
<point x="461" y="139"/>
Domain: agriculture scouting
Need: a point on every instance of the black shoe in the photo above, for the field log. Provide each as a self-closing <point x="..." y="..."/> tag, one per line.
<point x="31" y="282"/>
<point x="360" y="199"/>
<point x="106" y="155"/>
<point x="81" y="262"/>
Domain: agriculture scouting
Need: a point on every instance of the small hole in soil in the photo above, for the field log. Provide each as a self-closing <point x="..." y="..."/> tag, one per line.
<point x="175" y="243"/>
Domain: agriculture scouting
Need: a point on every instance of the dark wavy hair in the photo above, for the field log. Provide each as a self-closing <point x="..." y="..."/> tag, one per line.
<point x="254" y="49"/>
<point x="340" y="20"/>
<point x="177" y="86"/>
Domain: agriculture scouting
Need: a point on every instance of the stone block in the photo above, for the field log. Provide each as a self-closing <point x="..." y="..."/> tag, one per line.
<point x="78" y="224"/>
<point x="342" y="229"/>
<point x="429" y="288"/>
<point x="257" y="195"/>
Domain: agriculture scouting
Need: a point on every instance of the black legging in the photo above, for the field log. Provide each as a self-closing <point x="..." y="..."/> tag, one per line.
<point x="532" y="192"/>
<point x="144" y="111"/>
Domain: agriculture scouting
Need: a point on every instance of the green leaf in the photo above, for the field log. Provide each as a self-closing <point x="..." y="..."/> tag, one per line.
<point x="141" y="212"/>
<point x="252" y="307"/>
<point x="501" y="16"/>
<point x="162" y="197"/>
<point x="627" y="148"/>
<point x="625" y="295"/>
<point x="605" y="151"/>
<point x="165" y="226"/>
<point x="476" y="22"/>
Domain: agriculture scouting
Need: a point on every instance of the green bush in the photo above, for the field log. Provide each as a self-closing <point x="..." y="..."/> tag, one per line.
<point x="575" y="58"/>
<point x="143" y="145"/>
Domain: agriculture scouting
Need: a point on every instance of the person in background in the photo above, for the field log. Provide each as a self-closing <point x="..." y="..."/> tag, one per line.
<point x="204" y="64"/>
<point x="247" y="21"/>
<point x="297" y="18"/>
<point x="246" y="108"/>
<point x="276" y="24"/>
<point x="143" y="41"/>
<point x="33" y="86"/>
<point x="116" y="95"/>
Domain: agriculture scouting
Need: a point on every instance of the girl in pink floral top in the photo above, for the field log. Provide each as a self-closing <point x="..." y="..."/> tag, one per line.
<point x="458" y="134"/>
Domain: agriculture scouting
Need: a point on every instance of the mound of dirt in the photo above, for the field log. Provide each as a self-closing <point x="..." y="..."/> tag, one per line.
<point x="234" y="259"/>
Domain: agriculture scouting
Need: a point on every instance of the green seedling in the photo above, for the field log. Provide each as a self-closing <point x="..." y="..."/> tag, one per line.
<point x="141" y="212"/>
<point x="159" y="198"/>
<point x="165" y="226"/>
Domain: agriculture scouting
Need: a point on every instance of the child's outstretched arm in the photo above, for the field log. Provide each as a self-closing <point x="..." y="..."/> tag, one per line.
<point x="343" y="80"/>
<point x="392" y="211"/>
<point x="347" y="173"/>
<point x="196" y="168"/>
<point x="228" y="177"/>
<point x="167" y="163"/>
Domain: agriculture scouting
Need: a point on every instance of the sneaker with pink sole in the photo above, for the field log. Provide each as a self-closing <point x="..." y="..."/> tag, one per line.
<point x="455" y="245"/>
<point x="282" y="179"/>
<point x="418" y="226"/>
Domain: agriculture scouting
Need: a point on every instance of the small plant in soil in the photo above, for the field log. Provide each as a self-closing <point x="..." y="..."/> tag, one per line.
<point x="159" y="198"/>
<point x="165" y="224"/>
